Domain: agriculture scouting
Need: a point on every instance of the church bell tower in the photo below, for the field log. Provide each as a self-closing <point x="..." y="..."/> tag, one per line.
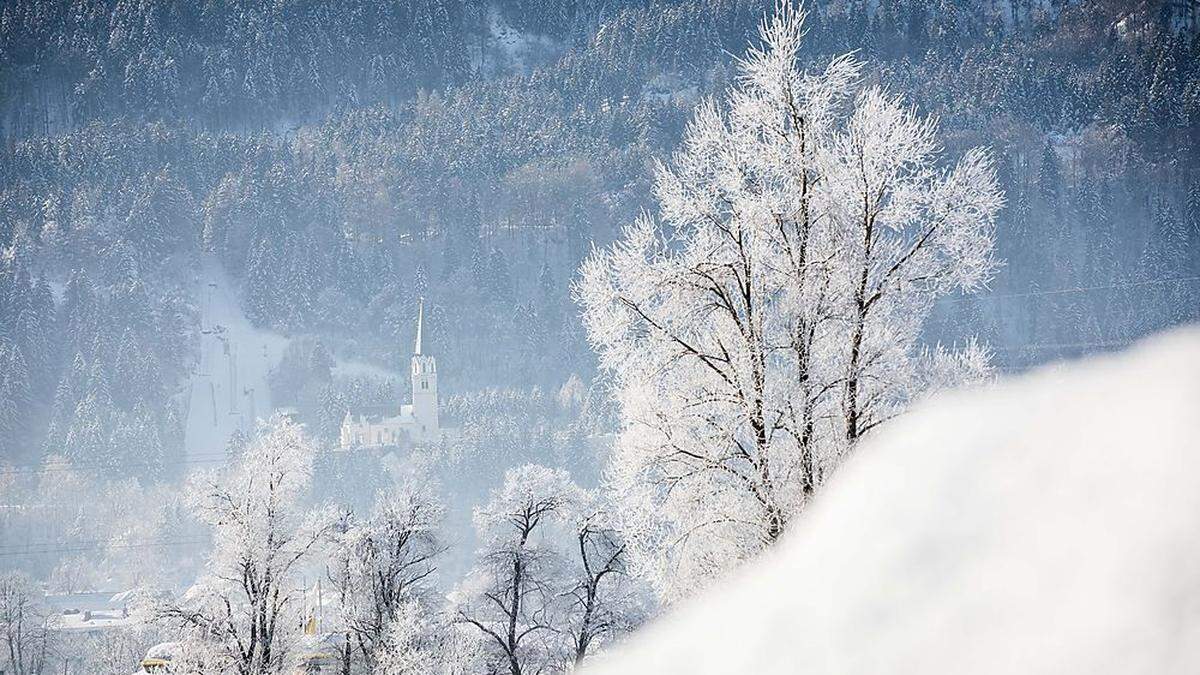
<point x="424" y="384"/>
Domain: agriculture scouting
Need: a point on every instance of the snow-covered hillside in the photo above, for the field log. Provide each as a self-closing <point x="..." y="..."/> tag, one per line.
<point x="229" y="389"/>
<point x="1047" y="525"/>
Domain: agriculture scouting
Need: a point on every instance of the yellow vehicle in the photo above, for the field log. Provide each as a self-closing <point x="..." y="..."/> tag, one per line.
<point x="158" y="659"/>
<point x="155" y="665"/>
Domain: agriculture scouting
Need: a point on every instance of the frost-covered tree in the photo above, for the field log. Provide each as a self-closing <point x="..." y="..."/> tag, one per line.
<point x="551" y="586"/>
<point x="603" y="602"/>
<point x="410" y="642"/>
<point x="242" y="615"/>
<point x="771" y="316"/>
<point x="423" y="641"/>
<point x="512" y="596"/>
<point x="110" y="652"/>
<point x="906" y="231"/>
<point x="26" y="626"/>
<point x="379" y="566"/>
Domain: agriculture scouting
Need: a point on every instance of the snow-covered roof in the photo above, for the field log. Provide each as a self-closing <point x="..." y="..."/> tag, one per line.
<point x="373" y="413"/>
<point x="382" y="415"/>
<point x="85" y="621"/>
<point x="84" y="601"/>
<point x="163" y="650"/>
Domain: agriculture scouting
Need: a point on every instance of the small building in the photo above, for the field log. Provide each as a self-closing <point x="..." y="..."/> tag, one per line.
<point x="393" y="425"/>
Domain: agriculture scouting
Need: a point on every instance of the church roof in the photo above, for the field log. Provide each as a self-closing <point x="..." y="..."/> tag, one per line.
<point x="378" y="414"/>
<point x="374" y="412"/>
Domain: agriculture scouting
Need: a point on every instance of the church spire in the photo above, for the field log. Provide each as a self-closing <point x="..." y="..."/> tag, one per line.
<point x="420" y="320"/>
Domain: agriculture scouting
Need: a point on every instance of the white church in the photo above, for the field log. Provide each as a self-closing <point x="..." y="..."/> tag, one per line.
<point x="380" y="426"/>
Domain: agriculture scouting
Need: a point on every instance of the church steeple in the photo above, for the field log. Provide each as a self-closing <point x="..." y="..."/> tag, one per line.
<point x="420" y="321"/>
<point x="417" y="422"/>
<point x="424" y="383"/>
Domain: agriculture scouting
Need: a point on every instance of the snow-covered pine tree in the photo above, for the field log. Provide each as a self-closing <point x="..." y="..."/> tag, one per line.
<point x="15" y="395"/>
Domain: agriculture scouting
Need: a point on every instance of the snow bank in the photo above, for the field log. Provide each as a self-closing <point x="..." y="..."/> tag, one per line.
<point x="1049" y="524"/>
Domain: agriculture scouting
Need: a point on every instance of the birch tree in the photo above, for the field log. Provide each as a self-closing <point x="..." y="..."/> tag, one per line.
<point x="769" y="317"/>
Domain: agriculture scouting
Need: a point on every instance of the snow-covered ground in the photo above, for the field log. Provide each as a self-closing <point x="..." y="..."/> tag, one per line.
<point x="1050" y="524"/>
<point x="515" y="49"/>
<point x="228" y="390"/>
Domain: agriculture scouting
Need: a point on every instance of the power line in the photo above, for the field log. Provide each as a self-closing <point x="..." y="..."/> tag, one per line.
<point x="36" y="549"/>
<point x="47" y="548"/>
<point x="1068" y="291"/>
<point x="1064" y="345"/>
<point x="52" y="544"/>
<point x="82" y="542"/>
<point x="37" y="468"/>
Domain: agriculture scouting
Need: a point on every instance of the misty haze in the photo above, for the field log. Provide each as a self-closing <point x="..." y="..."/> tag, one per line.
<point x="378" y="337"/>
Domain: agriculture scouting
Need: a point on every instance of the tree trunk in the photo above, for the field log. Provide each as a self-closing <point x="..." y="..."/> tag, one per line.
<point x="585" y="628"/>
<point x="853" y="422"/>
<point x="514" y="665"/>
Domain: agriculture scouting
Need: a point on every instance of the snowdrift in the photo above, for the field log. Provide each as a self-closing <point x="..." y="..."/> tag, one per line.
<point x="1047" y="524"/>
